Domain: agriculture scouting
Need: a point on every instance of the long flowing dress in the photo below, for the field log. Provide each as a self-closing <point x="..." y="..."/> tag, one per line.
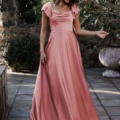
<point x="61" y="91"/>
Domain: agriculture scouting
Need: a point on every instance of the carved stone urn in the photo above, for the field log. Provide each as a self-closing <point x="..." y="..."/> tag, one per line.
<point x="110" y="58"/>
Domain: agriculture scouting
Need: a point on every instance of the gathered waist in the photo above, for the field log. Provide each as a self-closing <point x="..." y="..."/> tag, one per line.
<point x="61" y="30"/>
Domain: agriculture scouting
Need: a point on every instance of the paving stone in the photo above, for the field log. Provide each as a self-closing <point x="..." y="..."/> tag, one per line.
<point x="12" y="91"/>
<point x="6" y="114"/>
<point x="92" y="68"/>
<point x="94" y="97"/>
<point x="11" y="97"/>
<point x="22" y="104"/>
<point x="10" y="103"/>
<point x="25" y="79"/>
<point x="88" y="85"/>
<point x="17" y="76"/>
<point x="101" y="111"/>
<point x="103" y="69"/>
<point x="90" y="72"/>
<point x="14" y="81"/>
<point x="86" y="80"/>
<point x="20" y="112"/>
<point x="92" y="75"/>
<point x="91" y="90"/>
<point x="108" y="96"/>
<point x="23" y="97"/>
<point x="95" y="77"/>
<point x="113" y="110"/>
<point x="26" y="86"/>
<point x="115" y="117"/>
<point x="110" y="102"/>
<point x="117" y="85"/>
<point x="102" y="85"/>
<point x="97" y="103"/>
<point x="13" y="86"/>
<point x="97" y="80"/>
<point x="28" y="81"/>
<point x="18" y="118"/>
<point x="106" y="90"/>
<point x="115" y="80"/>
<point x="14" y="78"/>
<point x="24" y="91"/>
<point x="96" y="69"/>
<point x="104" y="118"/>
<point x="28" y="77"/>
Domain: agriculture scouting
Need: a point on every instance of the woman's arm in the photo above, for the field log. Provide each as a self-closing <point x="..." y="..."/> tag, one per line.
<point x="79" y="31"/>
<point x="43" y="37"/>
<point x="43" y="31"/>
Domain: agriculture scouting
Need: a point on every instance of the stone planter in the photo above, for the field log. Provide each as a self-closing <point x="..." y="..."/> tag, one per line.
<point x="3" y="91"/>
<point x="110" y="58"/>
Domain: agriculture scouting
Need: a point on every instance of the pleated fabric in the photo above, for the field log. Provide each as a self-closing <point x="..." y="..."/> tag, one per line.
<point x="61" y="91"/>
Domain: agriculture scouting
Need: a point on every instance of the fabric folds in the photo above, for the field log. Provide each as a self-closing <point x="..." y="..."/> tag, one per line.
<point x="47" y="7"/>
<point x="75" y="10"/>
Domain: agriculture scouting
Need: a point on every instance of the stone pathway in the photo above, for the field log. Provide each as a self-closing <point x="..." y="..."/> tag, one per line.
<point x="104" y="91"/>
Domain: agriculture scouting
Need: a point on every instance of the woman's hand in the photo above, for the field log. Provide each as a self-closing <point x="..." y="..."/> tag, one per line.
<point x="101" y="34"/>
<point x="43" y="58"/>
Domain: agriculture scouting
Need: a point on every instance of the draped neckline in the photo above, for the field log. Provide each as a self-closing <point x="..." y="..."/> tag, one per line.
<point x="59" y="12"/>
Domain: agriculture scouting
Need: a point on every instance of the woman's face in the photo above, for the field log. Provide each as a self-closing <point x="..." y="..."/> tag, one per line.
<point x="66" y="1"/>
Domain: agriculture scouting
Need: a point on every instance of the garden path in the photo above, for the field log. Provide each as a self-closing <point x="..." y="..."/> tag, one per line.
<point x="105" y="94"/>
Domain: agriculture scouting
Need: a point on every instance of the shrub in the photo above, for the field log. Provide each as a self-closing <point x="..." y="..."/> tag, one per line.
<point x="21" y="51"/>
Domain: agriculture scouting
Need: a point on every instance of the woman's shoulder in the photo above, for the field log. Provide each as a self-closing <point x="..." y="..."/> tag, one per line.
<point x="47" y="8"/>
<point x="75" y="9"/>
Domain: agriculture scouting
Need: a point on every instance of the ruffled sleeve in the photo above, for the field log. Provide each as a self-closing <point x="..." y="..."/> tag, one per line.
<point x="47" y="9"/>
<point x="75" y="10"/>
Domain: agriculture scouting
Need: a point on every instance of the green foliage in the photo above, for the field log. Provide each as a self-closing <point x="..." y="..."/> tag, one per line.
<point x="30" y="11"/>
<point x="8" y="23"/>
<point x="26" y="11"/>
<point x="21" y="51"/>
<point x="105" y="16"/>
<point x="103" y="13"/>
<point x="8" y="5"/>
<point x="10" y="29"/>
<point x="38" y="12"/>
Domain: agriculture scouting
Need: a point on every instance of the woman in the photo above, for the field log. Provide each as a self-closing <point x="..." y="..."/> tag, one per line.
<point x="61" y="91"/>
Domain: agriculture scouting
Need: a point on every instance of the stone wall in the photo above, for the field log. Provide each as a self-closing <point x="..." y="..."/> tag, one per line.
<point x="3" y="91"/>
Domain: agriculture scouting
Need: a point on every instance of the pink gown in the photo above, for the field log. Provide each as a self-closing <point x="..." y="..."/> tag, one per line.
<point x="61" y="91"/>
